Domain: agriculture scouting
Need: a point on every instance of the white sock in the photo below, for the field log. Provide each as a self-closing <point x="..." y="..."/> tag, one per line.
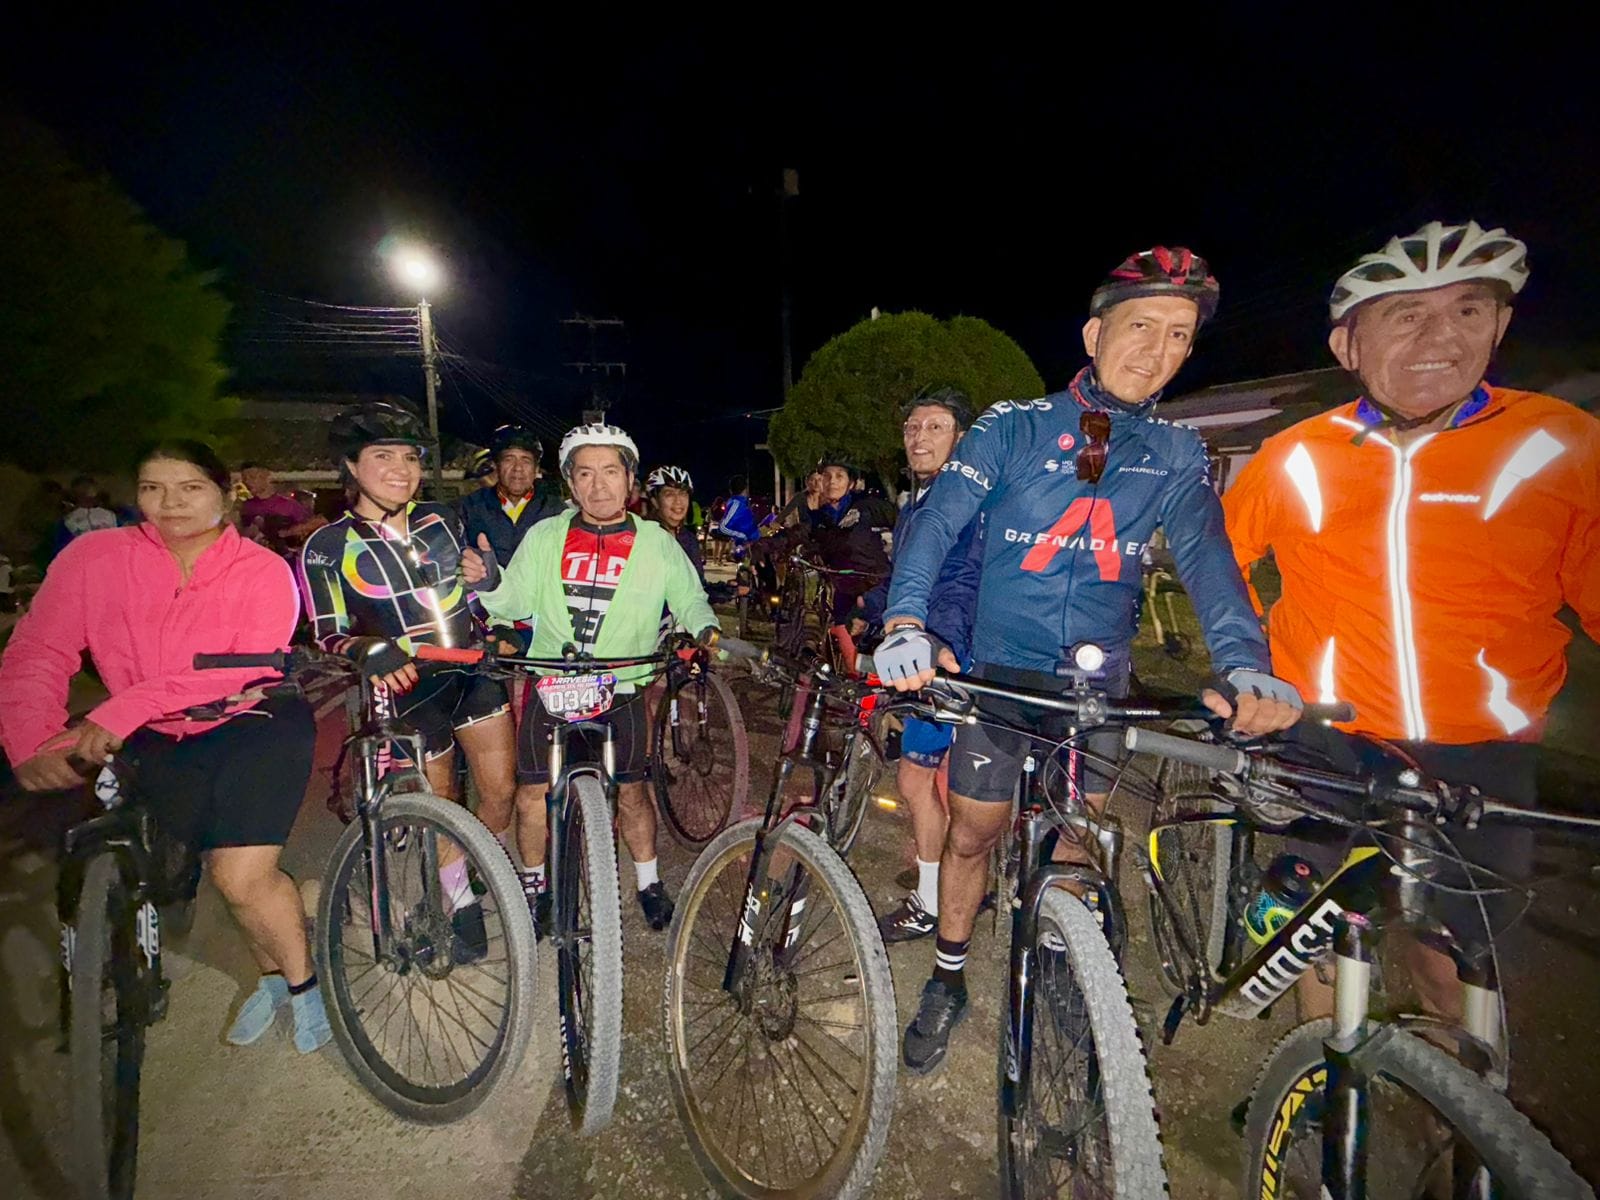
<point x="928" y="887"/>
<point x="457" y="886"/>
<point x="646" y="873"/>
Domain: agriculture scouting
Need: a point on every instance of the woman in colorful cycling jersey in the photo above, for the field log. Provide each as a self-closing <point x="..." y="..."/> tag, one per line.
<point x="144" y="600"/>
<point x="381" y="580"/>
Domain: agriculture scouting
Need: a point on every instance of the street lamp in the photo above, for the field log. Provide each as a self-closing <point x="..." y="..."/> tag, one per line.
<point x="418" y="271"/>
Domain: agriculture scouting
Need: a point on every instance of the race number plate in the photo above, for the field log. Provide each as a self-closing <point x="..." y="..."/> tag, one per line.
<point x="577" y="697"/>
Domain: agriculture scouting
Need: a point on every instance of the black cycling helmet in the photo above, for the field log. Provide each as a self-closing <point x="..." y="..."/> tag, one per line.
<point x="1160" y="271"/>
<point x="375" y="423"/>
<point x="480" y="465"/>
<point x="952" y="399"/>
<point x="838" y="458"/>
<point x="514" y="437"/>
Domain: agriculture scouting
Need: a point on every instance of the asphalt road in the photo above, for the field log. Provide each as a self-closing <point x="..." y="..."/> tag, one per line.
<point x="222" y="1122"/>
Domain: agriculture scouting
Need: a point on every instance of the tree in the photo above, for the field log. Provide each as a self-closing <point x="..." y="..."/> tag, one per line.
<point x="108" y="334"/>
<point x="850" y="394"/>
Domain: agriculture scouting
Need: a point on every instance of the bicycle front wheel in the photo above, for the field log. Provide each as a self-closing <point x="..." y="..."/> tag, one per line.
<point x="700" y="759"/>
<point x="1429" y="1118"/>
<point x="106" y="1036"/>
<point x="784" y="1085"/>
<point x="435" y="1026"/>
<point x="589" y="954"/>
<point x="1087" y="1124"/>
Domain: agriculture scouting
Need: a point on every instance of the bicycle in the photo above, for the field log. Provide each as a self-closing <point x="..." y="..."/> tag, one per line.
<point x="430" y="1003"/>
<point x="699" y="751"/>
<point x="778" y="998"/>
<point x="1335" y="1073"/>
<point x="586" y="914"/>
<point x="119" y="871"/>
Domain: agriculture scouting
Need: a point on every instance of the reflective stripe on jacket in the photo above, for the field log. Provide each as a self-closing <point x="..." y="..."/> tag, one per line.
<point x="1422" y="582"/>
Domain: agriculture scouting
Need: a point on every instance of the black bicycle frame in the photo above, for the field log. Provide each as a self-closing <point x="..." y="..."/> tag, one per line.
<point x="1034" y="879"/>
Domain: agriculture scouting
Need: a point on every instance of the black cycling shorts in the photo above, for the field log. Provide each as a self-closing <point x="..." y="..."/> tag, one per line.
<point x="1506" y="771"/>
<point x="239" y="784"/>
<point x="442" y="703"/>
<point x="630" y="727"/>
<point x="986" y="761"/>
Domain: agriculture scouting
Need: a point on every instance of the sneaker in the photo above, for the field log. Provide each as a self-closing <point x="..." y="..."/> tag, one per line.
<point x="657" y="906"/>
<point x="928" y="1036"/>
<point x="907" y="922"/>
<point x="539" y="905"/>
<point x="256" y="1014"/>
<point x="471" y="941"/>
<point x="311" y="1029"/>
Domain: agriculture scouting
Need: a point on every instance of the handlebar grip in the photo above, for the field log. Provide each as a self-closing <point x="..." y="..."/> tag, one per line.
<point x="1336" y="713"/>
<point x="730" y="647"/>
<point x="277" y="660"/>
<point x="1207" y="755"/>
<point x="450" y="654"/>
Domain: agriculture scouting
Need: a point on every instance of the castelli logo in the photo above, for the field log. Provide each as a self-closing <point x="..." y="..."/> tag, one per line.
<point x="1066" y="441"/>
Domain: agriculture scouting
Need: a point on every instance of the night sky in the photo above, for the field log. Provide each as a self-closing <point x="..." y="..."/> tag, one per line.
<point x="634" y="175"/>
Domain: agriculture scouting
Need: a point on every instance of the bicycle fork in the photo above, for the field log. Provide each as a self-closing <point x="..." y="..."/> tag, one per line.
<point x="1031" y="887"/>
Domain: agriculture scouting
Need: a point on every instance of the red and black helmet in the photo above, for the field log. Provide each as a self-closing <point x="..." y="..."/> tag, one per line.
<point x="1160" y="271"/>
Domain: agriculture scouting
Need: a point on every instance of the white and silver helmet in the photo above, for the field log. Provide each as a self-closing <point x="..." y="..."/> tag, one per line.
<point x="1434" y="256"/>
<point x="665" y="477"/>
<point x="598" y="434"/>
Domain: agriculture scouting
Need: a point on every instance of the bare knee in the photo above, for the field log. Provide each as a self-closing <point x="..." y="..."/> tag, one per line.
<point x="969" y="839"/>
<point x="244" y="882"/>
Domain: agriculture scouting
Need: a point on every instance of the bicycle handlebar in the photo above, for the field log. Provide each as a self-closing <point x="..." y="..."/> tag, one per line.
<point x="276" y="660"/>
<point x="1207" y="755"/>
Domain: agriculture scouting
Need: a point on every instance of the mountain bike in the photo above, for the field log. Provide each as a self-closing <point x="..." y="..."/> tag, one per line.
<point x="1335" y="1109"/>
<point x="587" y="916"/>
<point x="429" y="992"/>
<point x="699" y="751"/>
<point x="120" y="873"/>
<point x="779" y="1005"/>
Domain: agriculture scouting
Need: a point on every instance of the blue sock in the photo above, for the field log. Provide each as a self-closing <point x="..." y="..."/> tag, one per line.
<point x="311" y="1029"/>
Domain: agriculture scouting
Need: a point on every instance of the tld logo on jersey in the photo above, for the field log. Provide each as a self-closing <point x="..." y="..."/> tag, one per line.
<point x="579" y="567"/>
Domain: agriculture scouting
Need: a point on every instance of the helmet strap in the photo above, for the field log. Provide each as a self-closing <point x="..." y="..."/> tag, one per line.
<point x="1403" y="424"/>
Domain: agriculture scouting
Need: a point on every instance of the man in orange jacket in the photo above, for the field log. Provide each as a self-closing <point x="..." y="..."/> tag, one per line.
<point x="1427" y="536"/>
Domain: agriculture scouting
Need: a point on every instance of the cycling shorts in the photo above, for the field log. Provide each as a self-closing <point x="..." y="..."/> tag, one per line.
<point x="1506" y="771"/>
<point x="986" y="761"/>
<point x="447" y="701"/>
<point x="925" y="742"/>
<point x="239" y="784"/>
<point x="630" y="731"/>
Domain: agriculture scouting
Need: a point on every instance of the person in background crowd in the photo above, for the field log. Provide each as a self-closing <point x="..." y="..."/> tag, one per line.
<point x="90" y="510"/>
<point x="671" y="492"/>
<point x="515" y="503"/>
<point x="143" y="601"/>
<point x="273" y="517"/>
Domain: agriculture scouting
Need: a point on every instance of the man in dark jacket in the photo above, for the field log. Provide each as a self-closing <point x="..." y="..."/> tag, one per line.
<point x="847" y="531"/>
<point x="514" y="505"/>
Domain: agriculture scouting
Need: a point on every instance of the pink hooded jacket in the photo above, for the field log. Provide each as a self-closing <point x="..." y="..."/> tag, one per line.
<point x="120" y="594"/>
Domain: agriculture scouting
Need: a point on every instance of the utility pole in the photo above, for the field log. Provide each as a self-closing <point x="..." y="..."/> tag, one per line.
<point x="592" y="365"/>
<point x="430" y="379"/>
<point x="791" y="188"/>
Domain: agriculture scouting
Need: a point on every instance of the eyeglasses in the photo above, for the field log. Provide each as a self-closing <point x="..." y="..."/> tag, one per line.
<point x="1096" y="430"/>
<point x="932" y="425"/>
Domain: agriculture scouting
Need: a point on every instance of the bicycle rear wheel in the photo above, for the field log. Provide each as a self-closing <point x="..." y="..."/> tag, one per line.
<point x="435" y="1029"/>
<point x="699" y="759"/>
<point x="784" y="1087"/>
<point x="846" y="808"/>
<point x="106" y="1036"/>
<point x="1087" y="1126"/>
<point x="1192" y="859"/>
<point x="1425" y="1111"/>
<point x="589" y="957"/>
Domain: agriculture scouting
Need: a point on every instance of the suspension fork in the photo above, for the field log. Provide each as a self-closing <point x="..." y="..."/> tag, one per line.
<point x="1345" y="1112"/>
<point x="374" y="760"/>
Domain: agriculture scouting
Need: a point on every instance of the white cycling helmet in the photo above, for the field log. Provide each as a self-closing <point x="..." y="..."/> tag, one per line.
<point x="665" y="477"/>
<point x="1434" y="256"/>
<point x="598" y="434"/>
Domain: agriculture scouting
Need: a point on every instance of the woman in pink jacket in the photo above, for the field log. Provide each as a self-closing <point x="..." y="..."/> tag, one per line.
<point x="143" y="601"/>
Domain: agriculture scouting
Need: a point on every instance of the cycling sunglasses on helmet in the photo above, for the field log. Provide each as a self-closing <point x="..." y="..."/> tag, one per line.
<point x="1096" y="429"/>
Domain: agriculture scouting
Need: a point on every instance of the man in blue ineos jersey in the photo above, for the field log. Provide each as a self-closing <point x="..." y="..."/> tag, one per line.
<point x="1071" y="488"/>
